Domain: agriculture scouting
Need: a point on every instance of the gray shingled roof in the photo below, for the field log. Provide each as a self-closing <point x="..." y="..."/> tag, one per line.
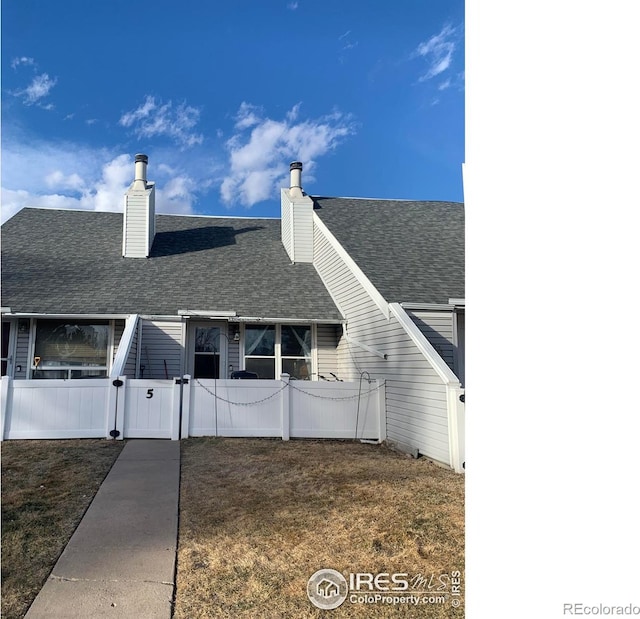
<point x="56" y="261"/>
<point x="411" y="251"/>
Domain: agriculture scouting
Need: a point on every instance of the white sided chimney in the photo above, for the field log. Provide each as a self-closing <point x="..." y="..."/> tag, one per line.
<point x="297" y="218"/>
<point x="139" y="225"/>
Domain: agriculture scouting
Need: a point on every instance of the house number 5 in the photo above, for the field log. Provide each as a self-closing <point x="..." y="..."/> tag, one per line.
<point x="149" y="393"/>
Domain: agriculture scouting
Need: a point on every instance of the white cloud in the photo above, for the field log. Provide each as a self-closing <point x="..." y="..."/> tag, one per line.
<point x="39" y="88"/>
<point x="444" y="85"/>
<point x="106" y="194"/>
<point x="71" y="176"/>
<point x="22" y="61"/>
<point x="438" y="51"/>
<point x="247" y="115"/>
<point x="152" y="119"/>
<point x="15" y="199"/>
<point x="292" y="6"/>
<point x="58" y="180"/>
<point x="258" y="159"/>
<point x="177" y="195"/>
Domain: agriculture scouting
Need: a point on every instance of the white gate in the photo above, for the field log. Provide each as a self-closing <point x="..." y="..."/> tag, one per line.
<point x="150" y="408"/>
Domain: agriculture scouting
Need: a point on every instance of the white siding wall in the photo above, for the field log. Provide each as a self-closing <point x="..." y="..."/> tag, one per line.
<point x="22" y="355"/>
<point x="303" y="230"/>
<point x="161" y="341"/>
<point x="416" y="397"/>
<point x="130" y="366"/>
<point x="437" y="327"/>
<point x="135" y="225"/>
<point x="326" y="343"/>
<point x="233" y="356"/>
<point x="297" y="227"/>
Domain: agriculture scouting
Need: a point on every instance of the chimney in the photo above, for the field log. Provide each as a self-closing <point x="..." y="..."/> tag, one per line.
<point x="297" y="218"/>
<point x="295" y="187"/>
<point x="139" y="226"/>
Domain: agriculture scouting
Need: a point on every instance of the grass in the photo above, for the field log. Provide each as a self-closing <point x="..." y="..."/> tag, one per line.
<point x="259" y="517"/>
<point x="46" y="488"/>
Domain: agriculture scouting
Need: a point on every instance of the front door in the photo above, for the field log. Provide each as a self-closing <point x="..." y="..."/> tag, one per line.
<point x="208" y="350"/>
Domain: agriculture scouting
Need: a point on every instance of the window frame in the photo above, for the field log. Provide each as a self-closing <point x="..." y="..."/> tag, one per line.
<point x="70" y="368"/>
<point x="278" y="357"/>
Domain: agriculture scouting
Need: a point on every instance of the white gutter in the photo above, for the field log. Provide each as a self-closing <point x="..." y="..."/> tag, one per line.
<point x="457" y="302"/>
<point x="296" y="321"/>
<point x="207" y="313"/>
<point x="76" y="316"/>
<point x="434" y="307"/>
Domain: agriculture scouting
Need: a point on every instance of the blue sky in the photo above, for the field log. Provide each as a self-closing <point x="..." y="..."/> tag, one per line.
<point x="223" y="95"/>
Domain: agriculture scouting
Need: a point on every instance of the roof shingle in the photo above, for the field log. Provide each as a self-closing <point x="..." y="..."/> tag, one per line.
<point x="411" y="251"/>
<point x="57" y="261"/>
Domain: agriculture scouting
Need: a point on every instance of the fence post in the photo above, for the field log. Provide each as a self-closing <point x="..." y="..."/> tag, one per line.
<point x="6" y="403"/>
<point x="187" y="387"/>
<point x="285" y="415"/>
<point x="456" y="427"/>
<point x="116" y="407"/>
<point x="122" y="408"/>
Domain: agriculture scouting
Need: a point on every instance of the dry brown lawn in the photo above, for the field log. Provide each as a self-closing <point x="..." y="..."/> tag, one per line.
<point x="46" y="488"/>
<point x="259" y="517"/>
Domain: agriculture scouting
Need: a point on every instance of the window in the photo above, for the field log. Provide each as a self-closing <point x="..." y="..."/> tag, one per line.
<point x="296" y="351"/>
<point x="71" y="349"/>
<point x="260" y="350"/>
<point x="271" y="350"/>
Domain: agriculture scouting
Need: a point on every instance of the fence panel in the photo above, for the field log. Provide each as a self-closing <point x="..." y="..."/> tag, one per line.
<point x="149" y="406"/>
<point x="332" y="410"/>
<point x="249" y="408"/>
<point x="49" y="409"/>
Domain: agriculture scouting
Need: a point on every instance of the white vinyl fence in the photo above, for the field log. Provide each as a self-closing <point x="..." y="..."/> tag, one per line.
<point x="54" y="408"/>
<point x="289" y="409"/>
<point x="178" y="408"/>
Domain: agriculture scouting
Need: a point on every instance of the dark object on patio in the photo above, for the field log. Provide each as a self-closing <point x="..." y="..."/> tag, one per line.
<point x="243" y="374"/>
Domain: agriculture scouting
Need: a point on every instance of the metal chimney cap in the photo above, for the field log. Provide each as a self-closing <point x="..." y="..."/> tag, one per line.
<point x="295" y="165"/>
<point x="141" y="157"/>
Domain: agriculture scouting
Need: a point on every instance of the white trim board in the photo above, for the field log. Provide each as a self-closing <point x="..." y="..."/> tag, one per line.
<point x="363" y="280"/>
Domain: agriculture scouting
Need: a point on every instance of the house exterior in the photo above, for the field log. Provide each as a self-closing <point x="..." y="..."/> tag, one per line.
<point x="335" y="289"/>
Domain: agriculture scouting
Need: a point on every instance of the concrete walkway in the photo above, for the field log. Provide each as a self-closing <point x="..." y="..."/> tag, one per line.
<point x="120" y="561"/>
